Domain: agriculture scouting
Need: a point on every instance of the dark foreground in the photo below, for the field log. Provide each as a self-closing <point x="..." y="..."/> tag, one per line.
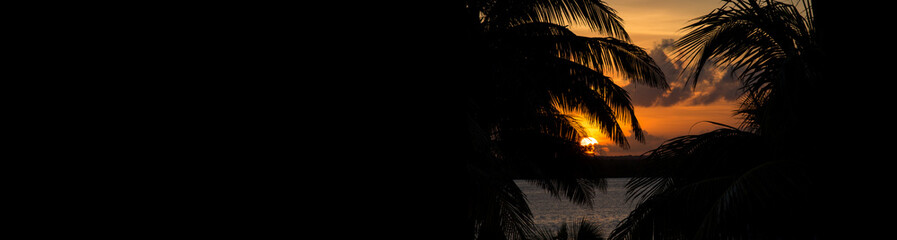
<point x="619" y="166"/>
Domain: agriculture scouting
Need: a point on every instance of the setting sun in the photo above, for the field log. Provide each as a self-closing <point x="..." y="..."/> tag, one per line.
<point x="588" y="141"/>
<point x="588" y="144"/>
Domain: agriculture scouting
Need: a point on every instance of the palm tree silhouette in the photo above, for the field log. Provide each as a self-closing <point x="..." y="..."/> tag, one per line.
<point x="752" y="181"/>
<point x="529" y="68"/>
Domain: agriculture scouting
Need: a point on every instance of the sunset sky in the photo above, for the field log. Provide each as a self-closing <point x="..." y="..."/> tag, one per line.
<point x="681" y="110"/>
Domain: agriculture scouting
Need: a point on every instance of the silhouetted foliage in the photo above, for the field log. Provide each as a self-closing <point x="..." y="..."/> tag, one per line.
<point x="752" y="182"/>
<point x="526" y="66"/>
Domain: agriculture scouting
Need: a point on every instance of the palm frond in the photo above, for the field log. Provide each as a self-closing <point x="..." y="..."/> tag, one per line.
<point x="587" y="82"/>
<point x="593" y="13"/>
<point x="727" y="179"/>
<point x="605" y="55"/>
<point x="598" y="112"/>
<point x="532" y="155"/>
<point x="545" y="120"/>
<point x="641" y="188"/>
<point x="564" y="126"/>
<point x="771" y="187"/>
<point x="580" y="191"/>
<point x="587" y="230"/>
<point x="499" y="209"/>
<point x="651" y="219"/>
<point x="673" y="213"/>
<point x="551" y="82"/>
<point x="744" y="35"/>
<point x="614" y="56"/>
<point x="549" y="56"/>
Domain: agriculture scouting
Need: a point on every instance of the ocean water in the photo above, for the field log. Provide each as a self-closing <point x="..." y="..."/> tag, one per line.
<point x="609" y="208"/>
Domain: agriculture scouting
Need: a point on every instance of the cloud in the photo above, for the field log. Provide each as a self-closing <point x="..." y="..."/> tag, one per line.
<point x="725" y="87"/>
<point x="713" y="85"/>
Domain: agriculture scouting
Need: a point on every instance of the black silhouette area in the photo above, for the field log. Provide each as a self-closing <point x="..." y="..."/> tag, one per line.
<point x="449" y="107"/>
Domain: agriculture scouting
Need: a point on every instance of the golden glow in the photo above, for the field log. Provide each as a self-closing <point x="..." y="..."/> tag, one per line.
<point x="588" y="141"/>
<point x="589" y="144"/>
<point x="648" y="25"/>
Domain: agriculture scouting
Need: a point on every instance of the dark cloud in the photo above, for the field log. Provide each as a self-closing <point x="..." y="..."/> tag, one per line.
<point x="726" y="88"/>
<point x="713" y="84"/>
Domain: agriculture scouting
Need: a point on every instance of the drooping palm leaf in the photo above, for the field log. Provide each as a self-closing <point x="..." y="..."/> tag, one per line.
<point x="605" y="55"/>
<point x="616" y="99"/>
<point x="745" y="206"/>
<point x="751" y="36"/>
<point x="724" y="183"/>
<point x="568" y="61"/>
<point x="772" y="44"/>
<point x="580" y="191"/>
<point x="593" y="13"/>
<point x="498" y="208"/>
<point x="687" y="174"/>
<point x="587" y="230"/>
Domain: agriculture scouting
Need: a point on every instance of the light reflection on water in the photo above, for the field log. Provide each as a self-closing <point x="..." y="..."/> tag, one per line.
<point x="609" y="207"/>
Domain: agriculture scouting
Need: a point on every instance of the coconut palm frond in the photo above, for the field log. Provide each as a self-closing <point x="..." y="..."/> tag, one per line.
<point x="685" y="176"/>
<point x="746" y="35"/>
<point x="498" y="208"/>
<point x="580" y="191"/>
<point x="593" y="13"/>
<point x="606" y="55"/>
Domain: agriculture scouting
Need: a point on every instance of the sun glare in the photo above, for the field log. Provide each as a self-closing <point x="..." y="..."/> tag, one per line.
<point x="589" y="144"/>
<point x="588" y="141"/>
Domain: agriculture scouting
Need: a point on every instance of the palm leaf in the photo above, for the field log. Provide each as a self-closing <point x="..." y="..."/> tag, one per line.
<point x="658" y="217"/>
<point x="745" y="36"/>
<point x="771" y="187"/>
<point x="587" y="230"/>
<point x="549" y="56"/>
<point x="499" y="209"/>
<point x="615" y="97"/>
<point x="580" y="191"/>
<point x="593" y="13"/>
<point x="686" y="174"/>
<point x="605" y="55"/>
<point x="597" y="111"/>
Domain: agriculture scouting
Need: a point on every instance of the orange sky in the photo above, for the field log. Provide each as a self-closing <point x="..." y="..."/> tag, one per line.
<point x="648" y="22"/>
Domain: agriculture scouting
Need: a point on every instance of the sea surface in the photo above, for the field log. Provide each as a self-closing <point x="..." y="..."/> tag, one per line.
<point x="609" y="208"/>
